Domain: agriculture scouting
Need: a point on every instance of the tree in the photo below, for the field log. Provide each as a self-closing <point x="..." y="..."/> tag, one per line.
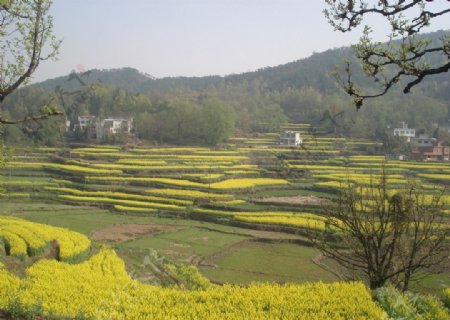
<point x="217" y="119"/>
<point x="26" y="39"/>
<point x="406" y="58"/>
<point x="268" y="118"/>
<point x="386" y="237"/>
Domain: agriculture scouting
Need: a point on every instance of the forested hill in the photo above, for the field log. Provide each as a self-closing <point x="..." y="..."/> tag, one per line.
<point x="126" y="78"/>
<point x="191" y="110"/>
<point x="313" y="71"/>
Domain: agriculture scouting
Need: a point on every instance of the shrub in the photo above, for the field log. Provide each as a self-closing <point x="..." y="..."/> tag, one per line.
<point x="410" y="306"/>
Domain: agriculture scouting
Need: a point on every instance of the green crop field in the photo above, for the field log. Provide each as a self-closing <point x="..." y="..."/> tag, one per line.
<point x="257" y="261"/>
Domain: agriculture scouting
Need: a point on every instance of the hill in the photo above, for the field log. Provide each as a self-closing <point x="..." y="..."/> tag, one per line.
<point x="183" y="110"/>
<point x="312" y="71"/>
<point x="127" y="78"/>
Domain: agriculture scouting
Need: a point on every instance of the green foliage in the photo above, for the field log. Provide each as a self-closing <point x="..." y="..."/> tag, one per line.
<point x="18" y="311"/>
<point x="268" y="118"/>
<point x="410" y="305"/>
<point x="189" y="276"/>
<point x="447" y="297"/>
<point x="217" y="121"/>
<point x="26" y="39"/>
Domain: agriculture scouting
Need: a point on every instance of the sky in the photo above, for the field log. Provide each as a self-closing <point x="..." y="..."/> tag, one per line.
<point x="167" y="38"/>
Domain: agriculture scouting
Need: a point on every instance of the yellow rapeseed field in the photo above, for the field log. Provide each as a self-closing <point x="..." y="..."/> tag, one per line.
<point x="292" y="221"/>
<point x="134" y="209"/>
<point x="188" y="194"/>
<point x="131" y="203"/>
<point x="119" y="195"/>
<point x="247" y="183"/>
<point x="100" y="288"/>
<point x="23" y="237"/>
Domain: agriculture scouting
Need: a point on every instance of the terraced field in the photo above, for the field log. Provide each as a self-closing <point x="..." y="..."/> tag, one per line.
<point x="249" y="186"/>
<point x="130" y="222"/>
<point x="222" y="185"/>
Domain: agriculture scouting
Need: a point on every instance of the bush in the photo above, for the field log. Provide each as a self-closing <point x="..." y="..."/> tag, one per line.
<point x="17" y="311"/>
<point x="410" y="305"/>
<point x="189" y="276"/>
<point x="447" y="297"/>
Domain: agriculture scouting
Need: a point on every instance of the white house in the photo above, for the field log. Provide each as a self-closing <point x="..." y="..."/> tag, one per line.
<point x="404" y="131"/>
<point x="112" y="126"/>
<point x="85" y="121"/>
<point x="290" y="138"/>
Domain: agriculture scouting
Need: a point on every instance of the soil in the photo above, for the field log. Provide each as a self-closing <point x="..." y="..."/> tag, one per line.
<point x="124" y="232"/>
<point x="308" y="200"/>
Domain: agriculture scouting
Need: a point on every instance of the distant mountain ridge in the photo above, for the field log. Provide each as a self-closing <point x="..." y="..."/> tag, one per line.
<point x="313" y="71"/>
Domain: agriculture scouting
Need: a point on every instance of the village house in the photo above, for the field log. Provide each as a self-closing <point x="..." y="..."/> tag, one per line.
<point x="101" y="129"/>
<point x="423" y="140"/>
<point x="112" y="126"/>
<point x="429" y="149"/>
<point x="404" y="131"/>
<point x="86" y="124"/>
<point x="85" y="121"/>
<point x="290" y="138"/>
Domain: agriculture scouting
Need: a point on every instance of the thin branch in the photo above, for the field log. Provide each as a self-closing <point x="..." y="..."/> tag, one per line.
<point x="32" y="118"/>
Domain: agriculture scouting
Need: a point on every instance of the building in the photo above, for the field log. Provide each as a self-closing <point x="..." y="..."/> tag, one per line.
<point x="435" y="152"/>
<point x="423" y="140"/>
<point x="85" y="121"/>
<point x="86" y="124"/>
<point x="112" y="126"/>
<point x="290" y="138"/>
<point x="404" y="131"/>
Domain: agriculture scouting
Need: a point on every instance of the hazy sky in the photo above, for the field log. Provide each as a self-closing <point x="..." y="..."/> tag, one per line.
<point x="193" y="37"/>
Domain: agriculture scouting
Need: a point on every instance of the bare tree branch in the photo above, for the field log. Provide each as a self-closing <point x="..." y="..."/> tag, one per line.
<point x="390" y="63"/>
<point x="32" y="118"/>
<point x="386" y="238"/>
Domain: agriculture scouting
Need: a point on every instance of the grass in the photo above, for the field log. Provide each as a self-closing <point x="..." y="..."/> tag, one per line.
<point x="432" y="283"/>
<point x="187" y="243"/>
<point x="256" y="261"/>
<point x="80" y="219"/>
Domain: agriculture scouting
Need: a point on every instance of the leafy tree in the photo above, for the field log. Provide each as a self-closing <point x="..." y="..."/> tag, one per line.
<point x="303" y="104"/>
<point x="383" y="237"/>
<point x="50" y="132"/>
<point x="217" y="118"/>
<point x="179" y="122"/>
<point x="26" y="39"/>
<point x="406" y="56"/>
<point x="396" y="144"/>
<point x="268" y="118"/>
<point x="144" y="125"/>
